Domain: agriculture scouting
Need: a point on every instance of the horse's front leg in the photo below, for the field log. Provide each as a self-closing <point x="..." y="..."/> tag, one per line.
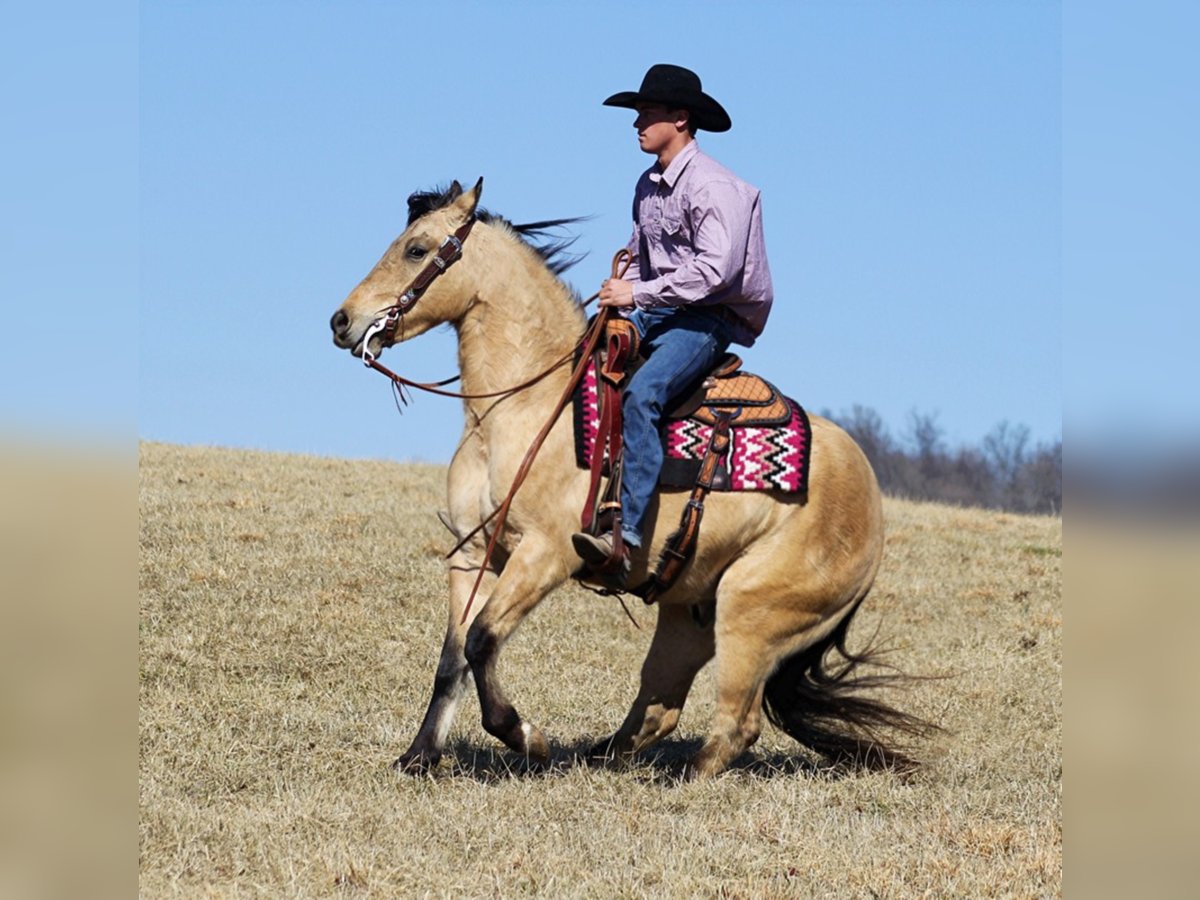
<point x="452" y="671"/>
<point x="536" y="568"/>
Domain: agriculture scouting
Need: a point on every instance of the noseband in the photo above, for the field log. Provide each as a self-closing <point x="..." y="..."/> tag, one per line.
<point x="389" y="317"/>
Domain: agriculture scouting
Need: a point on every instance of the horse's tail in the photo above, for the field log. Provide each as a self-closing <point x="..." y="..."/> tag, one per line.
<point x="820" y="703"/>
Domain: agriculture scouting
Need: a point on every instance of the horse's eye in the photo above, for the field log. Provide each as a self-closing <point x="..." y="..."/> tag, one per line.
<point x="416" y="252"/>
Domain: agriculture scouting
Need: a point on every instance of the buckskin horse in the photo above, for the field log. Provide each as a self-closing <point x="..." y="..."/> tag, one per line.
<point x="776" y="577"/>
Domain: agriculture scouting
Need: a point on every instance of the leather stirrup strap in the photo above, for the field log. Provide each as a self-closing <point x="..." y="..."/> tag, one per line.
<point x="587" y="521"/>
<point x="608" y="437"/>
<point x="612" y="507"/>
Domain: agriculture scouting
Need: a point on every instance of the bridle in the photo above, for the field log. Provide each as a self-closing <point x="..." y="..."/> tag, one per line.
<point x="389" y="319"/>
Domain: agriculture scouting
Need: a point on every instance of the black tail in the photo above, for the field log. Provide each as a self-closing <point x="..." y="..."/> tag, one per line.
<point x="822" y="706"/>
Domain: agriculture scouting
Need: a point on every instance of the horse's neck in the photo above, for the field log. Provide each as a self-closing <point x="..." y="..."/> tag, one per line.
<point x="523" y="321"/>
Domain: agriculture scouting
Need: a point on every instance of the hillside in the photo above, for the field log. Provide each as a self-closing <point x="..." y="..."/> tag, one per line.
<point x="292" y="609"/>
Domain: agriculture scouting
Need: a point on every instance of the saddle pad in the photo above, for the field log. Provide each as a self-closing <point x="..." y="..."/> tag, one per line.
<point x="760" y="458"/>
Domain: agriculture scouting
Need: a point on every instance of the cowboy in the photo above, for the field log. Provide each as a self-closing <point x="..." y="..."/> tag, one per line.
<point x="699" y="280"/>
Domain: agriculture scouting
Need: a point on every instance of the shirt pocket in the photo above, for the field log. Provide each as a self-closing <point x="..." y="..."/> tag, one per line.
<point x="672" y="226"/>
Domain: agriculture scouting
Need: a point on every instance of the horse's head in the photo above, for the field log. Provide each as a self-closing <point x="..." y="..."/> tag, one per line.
<point x="445" y="292"/>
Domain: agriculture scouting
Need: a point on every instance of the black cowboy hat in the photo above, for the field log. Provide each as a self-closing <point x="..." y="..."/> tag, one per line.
<point x="677" y="88"/>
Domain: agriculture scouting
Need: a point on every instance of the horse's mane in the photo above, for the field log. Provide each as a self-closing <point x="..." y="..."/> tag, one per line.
<point x="541" y="237"/>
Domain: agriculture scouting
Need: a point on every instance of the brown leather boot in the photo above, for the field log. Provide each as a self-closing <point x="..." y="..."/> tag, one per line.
<point x="596" y="551"/>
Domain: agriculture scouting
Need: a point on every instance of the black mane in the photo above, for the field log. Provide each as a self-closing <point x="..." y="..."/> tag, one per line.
<point x="538" y="236"/>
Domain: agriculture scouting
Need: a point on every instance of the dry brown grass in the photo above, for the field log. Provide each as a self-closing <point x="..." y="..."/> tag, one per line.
<point x="291" y="613"/>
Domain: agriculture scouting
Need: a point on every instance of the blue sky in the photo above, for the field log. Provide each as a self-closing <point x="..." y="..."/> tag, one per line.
<point x="910" y="155"/>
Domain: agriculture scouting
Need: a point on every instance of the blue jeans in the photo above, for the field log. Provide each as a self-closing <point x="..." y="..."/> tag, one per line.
<point x="682" y="345"/>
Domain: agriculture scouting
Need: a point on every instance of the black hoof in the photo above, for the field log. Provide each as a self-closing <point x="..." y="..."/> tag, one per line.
<point x="415" y="763"/>
<point x="603" y="752"/>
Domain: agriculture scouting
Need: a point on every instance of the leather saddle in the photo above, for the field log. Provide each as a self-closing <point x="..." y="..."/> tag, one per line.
<point x="748" y="400"/>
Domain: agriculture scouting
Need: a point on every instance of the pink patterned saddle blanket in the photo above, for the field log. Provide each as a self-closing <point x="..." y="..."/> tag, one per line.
<point x="760" y="458"/>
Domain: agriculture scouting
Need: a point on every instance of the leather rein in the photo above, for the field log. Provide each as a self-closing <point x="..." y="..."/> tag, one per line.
<point x="389" y="321"/>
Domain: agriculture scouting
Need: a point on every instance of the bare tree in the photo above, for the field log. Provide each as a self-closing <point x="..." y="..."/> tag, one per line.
<point x="1003" y="473"/>
<point x="1037" y="486"/>
<point x="1005" y="446"/>
<point x="925" y="435"/>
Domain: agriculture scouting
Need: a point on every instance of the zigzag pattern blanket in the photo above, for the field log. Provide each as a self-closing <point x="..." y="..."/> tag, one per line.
<point x="760" y="459"/>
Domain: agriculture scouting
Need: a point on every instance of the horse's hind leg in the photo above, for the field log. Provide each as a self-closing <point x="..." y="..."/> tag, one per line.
<point x="753" y="632"/>
<point x="452" y="670"/>
<point x="738" y="720"/>
<point x="679" y="650"/>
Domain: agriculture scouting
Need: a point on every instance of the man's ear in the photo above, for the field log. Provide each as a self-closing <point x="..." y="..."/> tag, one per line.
<point x="466" y="202"/>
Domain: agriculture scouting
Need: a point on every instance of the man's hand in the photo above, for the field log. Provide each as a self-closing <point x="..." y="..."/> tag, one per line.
<point x="616" y="292"/>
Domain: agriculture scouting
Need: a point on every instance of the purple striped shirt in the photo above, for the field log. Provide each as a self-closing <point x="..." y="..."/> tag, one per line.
<point x="698" y="239"/>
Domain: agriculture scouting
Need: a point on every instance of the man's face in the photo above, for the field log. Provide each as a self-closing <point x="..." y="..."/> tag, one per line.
<point x="657" y="126"/>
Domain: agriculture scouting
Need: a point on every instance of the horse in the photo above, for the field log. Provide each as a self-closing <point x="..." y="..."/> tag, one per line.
<point x="777" y="578"/>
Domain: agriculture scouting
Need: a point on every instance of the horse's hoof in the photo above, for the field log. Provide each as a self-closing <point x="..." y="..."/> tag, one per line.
<point x="537" y="748"/>
<point x="603" y="752"/>
<point x="701" y="767"/>
<point x="415" y="763"/>
<point x="608" y="753"/>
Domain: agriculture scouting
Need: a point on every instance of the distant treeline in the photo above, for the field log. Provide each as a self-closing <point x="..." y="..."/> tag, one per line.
<point x="1004" y="472"/>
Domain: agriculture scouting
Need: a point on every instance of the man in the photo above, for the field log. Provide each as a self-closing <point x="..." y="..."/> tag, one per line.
<point x="699" y="279"/>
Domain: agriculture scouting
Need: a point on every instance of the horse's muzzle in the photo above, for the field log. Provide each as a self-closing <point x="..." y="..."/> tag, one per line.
<point x="340" y="325"/>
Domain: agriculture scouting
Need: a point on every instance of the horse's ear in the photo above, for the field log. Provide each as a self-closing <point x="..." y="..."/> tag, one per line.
<point x="466" y="203"/>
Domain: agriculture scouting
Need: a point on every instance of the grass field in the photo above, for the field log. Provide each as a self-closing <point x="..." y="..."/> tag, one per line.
<point x="292" y="609"/>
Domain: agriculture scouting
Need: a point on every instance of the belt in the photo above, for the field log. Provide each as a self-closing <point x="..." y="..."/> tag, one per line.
<point x="725" y="314"/>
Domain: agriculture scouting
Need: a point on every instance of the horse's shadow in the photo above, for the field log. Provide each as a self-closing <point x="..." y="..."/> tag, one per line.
<point x="665" y="763"/>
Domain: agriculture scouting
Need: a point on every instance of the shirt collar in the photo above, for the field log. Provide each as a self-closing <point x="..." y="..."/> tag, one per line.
<point x="678" y="164"/>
